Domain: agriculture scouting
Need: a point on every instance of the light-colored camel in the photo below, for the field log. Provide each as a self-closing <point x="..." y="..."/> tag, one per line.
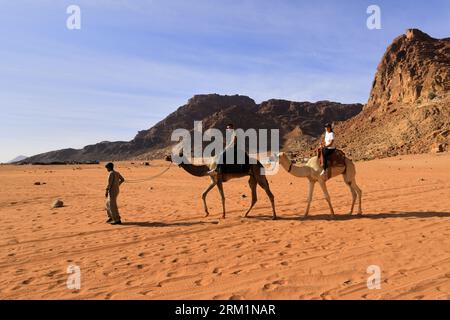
<point x="217" y="179"/>
<point x="312" y="169"/>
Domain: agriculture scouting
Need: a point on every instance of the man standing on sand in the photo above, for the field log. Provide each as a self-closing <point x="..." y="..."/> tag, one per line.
<point x="115" y="179"/>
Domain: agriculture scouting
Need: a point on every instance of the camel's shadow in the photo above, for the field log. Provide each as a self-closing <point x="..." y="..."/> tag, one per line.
<point x="374" y="216"/>
<point x="156" y="224"/>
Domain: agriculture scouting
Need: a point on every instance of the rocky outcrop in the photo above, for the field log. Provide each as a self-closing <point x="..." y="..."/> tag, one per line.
<point x="415" y="68"/>
<point x="408" y="110"/>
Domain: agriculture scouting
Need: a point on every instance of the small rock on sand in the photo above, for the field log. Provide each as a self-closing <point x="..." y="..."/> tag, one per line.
<point x="57" y="204"/>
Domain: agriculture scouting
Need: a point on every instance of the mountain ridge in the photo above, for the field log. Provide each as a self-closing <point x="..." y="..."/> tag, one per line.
<point x="215" y="111"/>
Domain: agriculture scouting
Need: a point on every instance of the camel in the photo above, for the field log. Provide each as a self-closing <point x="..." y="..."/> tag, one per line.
<point x="312" y="171"/>
<point x="217" y="179"/>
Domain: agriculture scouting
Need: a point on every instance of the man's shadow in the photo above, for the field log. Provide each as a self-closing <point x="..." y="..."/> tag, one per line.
<point x="374" y="216"/>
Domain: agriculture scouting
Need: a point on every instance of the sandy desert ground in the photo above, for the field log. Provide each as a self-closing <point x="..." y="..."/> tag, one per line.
<point x="166" y="249"/>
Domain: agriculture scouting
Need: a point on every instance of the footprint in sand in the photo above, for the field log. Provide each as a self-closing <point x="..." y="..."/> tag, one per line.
<point x="51" y="273"/>
<point x="146" y="292"/>
<point x="403" y="272"/>
<point x="274" y="285"/>
<point x="267" y="287"/>
<point x="325" y="296"/>
<point x="171" y="280"/>
<point x="198" y="283"/>
<point x="217" y="271"/>
<point x="13" y="241"/>
<point x="238" y="245"/>
<point x="236" y="297"/>
<point x="347" y="282"/>
<point x="171" y="274"/>
<point x="203" y="282"/>
<point x="57" y="284"/>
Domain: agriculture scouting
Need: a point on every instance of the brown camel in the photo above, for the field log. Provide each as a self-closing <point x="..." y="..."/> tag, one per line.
<point x="217" y="179"/>
<point x="312" y="171"/>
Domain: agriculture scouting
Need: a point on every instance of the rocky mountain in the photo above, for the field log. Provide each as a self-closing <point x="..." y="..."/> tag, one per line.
<point x="409" y="106"/>
<point x="299" y="124"/>
<point x="408" y="110"/>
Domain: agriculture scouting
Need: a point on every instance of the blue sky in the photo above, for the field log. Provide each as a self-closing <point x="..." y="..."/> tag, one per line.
<point x="133" y="62"/>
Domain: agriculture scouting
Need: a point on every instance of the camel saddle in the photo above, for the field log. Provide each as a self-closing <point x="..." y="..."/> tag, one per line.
<point x="234" y="167"/>
<point x="335" y="160"/>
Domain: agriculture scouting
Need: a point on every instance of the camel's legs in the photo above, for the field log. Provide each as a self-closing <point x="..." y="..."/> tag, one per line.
<point x="205" y="193"/>
<point x="310" y="195"/>
<point x="354" y="195"/>
<point x="349" y="178"/>
<point x="359" y="192"/>
<point x="252" y="184"/>
<point x="220" y="187"/>
<point x="263" y="183"/>
<point x="327" y="195"/>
